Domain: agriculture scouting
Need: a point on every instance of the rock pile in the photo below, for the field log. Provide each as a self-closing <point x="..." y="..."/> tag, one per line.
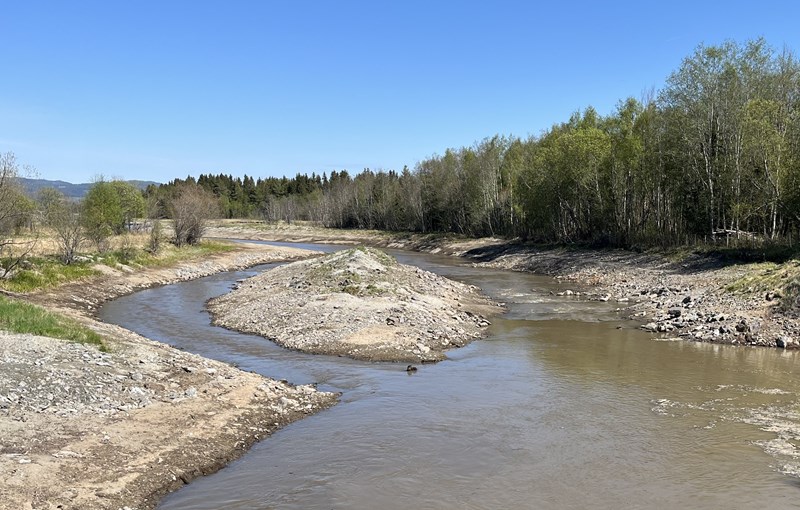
<point x="359" y="303"/>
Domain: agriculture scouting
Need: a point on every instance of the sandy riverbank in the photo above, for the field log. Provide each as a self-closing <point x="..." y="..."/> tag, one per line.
<point x="83" y="429"/>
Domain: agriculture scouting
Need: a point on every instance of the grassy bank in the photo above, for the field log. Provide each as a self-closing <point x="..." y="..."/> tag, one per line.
<point x="47" y="271"/>
<point x="782" y="280"/>
<point x="19" y="317"/>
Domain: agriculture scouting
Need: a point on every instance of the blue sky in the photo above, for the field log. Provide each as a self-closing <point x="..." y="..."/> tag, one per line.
<point x="158" y="90"/>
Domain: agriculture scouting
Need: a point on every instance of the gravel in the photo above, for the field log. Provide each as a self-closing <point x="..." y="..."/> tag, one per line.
<point x="359" y="303"/>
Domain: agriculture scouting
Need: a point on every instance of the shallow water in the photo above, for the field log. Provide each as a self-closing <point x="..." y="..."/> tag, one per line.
<point x="558" y="408"/>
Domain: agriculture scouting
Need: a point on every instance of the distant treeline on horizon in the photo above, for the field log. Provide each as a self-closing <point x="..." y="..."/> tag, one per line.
<point x="716" y="152"/>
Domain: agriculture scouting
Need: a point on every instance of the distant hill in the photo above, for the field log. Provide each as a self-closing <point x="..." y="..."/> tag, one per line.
<point x="32" y="186"/>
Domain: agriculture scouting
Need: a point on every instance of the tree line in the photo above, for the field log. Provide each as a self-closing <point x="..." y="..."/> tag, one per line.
<point x="715" y="153"/>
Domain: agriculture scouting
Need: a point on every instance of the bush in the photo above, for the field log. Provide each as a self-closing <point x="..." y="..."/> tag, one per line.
<point x="156" y="238"/>
<point x="108" y="209"/>
<point x="191" y="209"/>
<point x="66" y="219"/>
<point x="127" y="250"/>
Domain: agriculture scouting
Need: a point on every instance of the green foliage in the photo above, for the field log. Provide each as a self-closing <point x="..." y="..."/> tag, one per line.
<point x="19" y="317"/>
<point x="108" y="208"/>
<point x="713" y="158"/>
<point x="131" y="201"/>
<point x="102" y="212"/>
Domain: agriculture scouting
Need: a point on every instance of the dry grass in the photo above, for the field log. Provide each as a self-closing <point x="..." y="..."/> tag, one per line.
<point x="767" y="276"/>
<point x="43" y="268"/>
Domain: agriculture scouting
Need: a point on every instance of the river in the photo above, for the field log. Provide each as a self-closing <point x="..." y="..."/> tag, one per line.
<point x="564" y="405"/>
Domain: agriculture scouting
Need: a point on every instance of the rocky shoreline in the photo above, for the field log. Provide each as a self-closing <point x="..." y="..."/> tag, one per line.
<point x="85" y="429"/>
<point x="700" y="298"/>
<point x="359" y="303"/>
<point x="693" y="300"/>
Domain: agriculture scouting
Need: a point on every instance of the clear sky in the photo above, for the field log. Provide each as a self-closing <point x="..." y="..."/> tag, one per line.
<point x="163" y="89"/>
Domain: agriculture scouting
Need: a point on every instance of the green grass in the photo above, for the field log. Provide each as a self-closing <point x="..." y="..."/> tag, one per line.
<point x="48" y="272"/>
<point x="19" y="317"/>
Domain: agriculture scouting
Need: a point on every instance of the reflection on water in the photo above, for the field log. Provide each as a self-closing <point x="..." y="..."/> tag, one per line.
<point x="556" y="409"/>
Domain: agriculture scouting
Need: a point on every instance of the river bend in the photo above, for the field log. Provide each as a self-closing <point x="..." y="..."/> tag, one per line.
<point x="558" y="408"/>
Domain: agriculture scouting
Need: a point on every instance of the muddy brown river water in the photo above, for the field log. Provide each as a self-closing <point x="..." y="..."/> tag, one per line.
<point x="557" y="408"/>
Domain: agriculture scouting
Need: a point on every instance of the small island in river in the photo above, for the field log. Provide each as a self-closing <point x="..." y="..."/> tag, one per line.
<point x="359" y="303"/>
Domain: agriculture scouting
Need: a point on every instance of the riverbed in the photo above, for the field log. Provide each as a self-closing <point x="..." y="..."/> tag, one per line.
<point x="564" y="405"/>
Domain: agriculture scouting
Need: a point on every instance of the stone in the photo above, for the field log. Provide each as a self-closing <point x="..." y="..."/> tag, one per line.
<point x="675" y="312"/>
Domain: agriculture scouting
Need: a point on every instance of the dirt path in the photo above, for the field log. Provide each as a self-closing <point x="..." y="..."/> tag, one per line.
<point x="83" y="429"/>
